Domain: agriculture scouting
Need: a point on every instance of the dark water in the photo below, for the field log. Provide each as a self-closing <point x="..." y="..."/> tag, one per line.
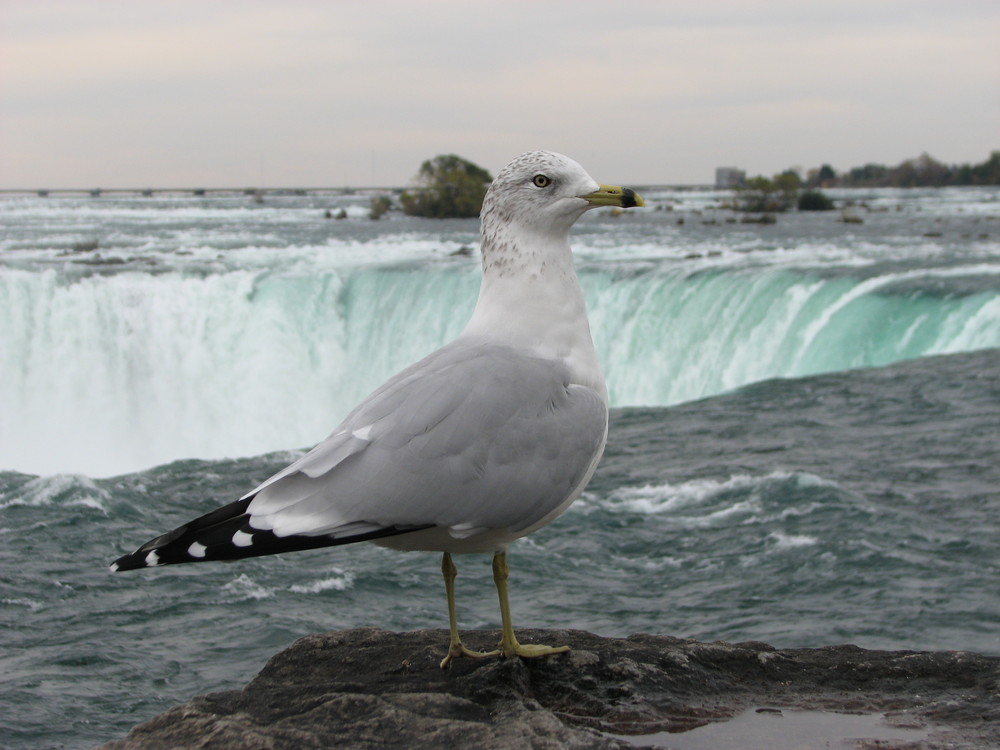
<point x="859" y="507"/>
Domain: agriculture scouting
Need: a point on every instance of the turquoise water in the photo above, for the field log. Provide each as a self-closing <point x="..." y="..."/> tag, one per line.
<point x="214" y="327"/>
<point x="803" y="450"/>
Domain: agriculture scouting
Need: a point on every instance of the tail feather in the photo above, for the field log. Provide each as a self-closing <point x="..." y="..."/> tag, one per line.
<point x="226" y="534"/>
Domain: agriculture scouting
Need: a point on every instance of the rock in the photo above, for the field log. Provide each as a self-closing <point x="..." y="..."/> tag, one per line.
<point x="369" y="688"/>
<point x="762" y="219"/>
<point x="88" y="246"/>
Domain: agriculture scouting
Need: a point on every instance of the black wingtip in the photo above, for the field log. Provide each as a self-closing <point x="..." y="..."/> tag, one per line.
<point x="213" y="537"/>
<point x="172" y="547"/>
<point x="134" y="561"/>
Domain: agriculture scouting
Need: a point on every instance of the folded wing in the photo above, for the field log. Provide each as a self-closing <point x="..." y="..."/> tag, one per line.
<point x="476" y="436"/>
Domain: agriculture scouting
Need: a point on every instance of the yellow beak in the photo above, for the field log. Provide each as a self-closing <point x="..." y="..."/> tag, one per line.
<point x="612" y="195"/>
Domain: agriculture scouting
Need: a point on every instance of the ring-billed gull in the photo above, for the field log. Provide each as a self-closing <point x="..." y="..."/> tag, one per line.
<point x="478" y="444"/>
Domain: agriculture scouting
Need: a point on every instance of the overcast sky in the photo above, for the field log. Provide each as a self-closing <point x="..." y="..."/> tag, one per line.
<point x="203" y="93"/>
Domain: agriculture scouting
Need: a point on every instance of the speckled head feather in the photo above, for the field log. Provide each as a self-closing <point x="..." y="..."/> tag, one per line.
<point x="540" y="192"/>
<point x="530" y="296"/>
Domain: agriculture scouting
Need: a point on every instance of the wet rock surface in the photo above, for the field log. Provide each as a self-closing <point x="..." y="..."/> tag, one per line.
<point x="369" y="688"/>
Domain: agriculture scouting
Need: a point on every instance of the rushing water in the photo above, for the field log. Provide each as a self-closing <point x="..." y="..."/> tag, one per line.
<point x="214" y="327"/>
<point x="805" y="447"/>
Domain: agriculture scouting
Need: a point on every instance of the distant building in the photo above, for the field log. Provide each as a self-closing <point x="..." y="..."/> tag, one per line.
<point x="729" y="177"/>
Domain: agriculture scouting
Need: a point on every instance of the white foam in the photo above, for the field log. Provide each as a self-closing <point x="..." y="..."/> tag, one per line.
<point x="784" y="541"/>
<point x="243" y="587"/>
<point x="645" y="564"/>
<point x="750" y="507"/>
<point x="31" y="604"/>
<point x="668" y="498"/>
<point x="89" y="502"/>
<point x="82" y="491"/>
<point x="703" y="503"/>
<point x="805" y="479"/>
<point x="340" y="581"/>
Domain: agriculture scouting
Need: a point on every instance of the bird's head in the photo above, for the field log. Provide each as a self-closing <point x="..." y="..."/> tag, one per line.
<point x="547" y="192"/>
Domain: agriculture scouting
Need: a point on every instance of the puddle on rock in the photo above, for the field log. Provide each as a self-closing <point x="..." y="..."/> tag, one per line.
<point x="774" y="729"/>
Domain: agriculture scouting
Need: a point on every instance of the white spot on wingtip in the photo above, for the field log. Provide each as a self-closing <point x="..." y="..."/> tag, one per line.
<point x="242" y="539"/>
<point x="113" y="567"/>
<point x="363" y="433"/>
<point x="197" y="549"/>
<point x="152" y="559"/>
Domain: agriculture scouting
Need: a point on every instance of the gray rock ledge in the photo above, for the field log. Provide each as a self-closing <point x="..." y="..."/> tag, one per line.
<point x="370" y="688"/>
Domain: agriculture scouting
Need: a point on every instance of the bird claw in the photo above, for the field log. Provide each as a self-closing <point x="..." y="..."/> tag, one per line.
<point x="458" y="651"/>
<point x="530" y="650"/>
<point x="524" y="650"/>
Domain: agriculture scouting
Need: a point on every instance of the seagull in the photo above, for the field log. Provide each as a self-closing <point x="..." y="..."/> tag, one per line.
<point x="482" y="442"/>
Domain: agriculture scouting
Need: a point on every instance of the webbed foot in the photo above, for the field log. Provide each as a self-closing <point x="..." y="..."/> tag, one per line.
<point x="530" y="650"/>
<point x="459" y="651"/>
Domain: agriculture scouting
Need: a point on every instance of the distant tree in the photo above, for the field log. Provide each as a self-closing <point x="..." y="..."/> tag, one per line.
<point x="378" y="206"/>
<point x="788" y="182"/>
<point x="870" y="175"/>
<point x="814" y="200"/>
<point x="987" y="173"/>
<point x="448" y="186"/>
<point x="767" y="195"/>
<point x="757" y="195"/>
<point x="922" y="171"/>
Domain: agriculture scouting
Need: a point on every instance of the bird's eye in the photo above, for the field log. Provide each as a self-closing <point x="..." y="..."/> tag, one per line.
<point x="541" y="180"/>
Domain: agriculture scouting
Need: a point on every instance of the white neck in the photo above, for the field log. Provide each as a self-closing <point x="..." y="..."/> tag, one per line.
<point x="533" y="299"/>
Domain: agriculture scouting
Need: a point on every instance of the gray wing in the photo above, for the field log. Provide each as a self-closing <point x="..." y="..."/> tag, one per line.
<point x="475" y="436"/>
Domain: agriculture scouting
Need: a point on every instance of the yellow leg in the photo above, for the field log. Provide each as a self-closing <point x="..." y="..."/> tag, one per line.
<point x="455" y="647"/>
<point x="508" y="641"/>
